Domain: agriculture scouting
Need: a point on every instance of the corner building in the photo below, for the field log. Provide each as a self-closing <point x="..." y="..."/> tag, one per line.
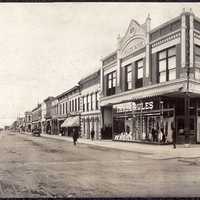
<point x="146" y="79"/>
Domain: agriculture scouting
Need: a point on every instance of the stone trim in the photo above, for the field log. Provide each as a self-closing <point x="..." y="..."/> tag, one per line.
<point x="166" y="38"/>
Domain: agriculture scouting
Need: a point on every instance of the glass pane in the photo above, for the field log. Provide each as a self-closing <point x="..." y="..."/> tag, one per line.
<point x="162" y="55"/>
<point x="172" y="62"/>
<point x="140" y="63"/>
<point x="114" y="74"/>
<point x="197" y="74"/>
<point x="140" y="73"/>
<point x="129" y="85"/>
<point x="172" y="52"/>
<point x="109" y="84"/>
<point x="197" y="60"/>
<point x="114" y="82"/>
<point x="162" y="77"/>
<point x="197" y="50"/>
<point x="129" y="77"/>
<point x="162" y="65"/>
<point x="172" y="74"/>
<point x="128" y="68"/>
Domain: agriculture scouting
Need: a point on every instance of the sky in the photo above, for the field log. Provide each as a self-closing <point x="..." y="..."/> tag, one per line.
<point x="46" y="48"/>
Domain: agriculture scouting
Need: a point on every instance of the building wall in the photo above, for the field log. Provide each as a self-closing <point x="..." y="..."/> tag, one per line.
<point x="90" y="118"/>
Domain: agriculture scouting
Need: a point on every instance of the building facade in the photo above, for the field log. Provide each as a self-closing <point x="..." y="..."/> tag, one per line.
<point x="28" y="121"/>
<point x="48" y="116"/>
<point x="152" y="81"/>
<point x="90" y="109"/>
<point x="54" y="116"/>
<point x="69" y="110"/>
<point x="37" y="118"/>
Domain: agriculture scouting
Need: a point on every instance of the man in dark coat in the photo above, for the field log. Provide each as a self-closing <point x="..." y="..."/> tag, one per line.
<point x="173" y="135"/>
<point x="92" y="134"/>
<point x="74" y="135"/>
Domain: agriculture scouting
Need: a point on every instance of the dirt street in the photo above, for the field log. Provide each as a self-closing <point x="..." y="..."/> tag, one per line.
<point x="40" y="167"/>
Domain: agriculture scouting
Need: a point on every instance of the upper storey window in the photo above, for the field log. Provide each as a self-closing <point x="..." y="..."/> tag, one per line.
<point x="139" y="73"/>
<point x="197" y="62"/>
<point x="111" y="83"/>
<point x="128" y="72"/>
<point x="167" y="65"/>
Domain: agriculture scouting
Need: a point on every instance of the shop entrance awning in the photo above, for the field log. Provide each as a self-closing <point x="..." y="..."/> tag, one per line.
<point x="71" y="122"/>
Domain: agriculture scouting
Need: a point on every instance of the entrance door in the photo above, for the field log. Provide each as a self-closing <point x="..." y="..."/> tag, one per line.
<point x="180" y="125"/>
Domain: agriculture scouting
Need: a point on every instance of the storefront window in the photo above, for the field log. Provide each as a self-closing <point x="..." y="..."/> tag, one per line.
<point x="142" y="121"/>
<point x="128" y="77"/>
<point x="167" y="65"/>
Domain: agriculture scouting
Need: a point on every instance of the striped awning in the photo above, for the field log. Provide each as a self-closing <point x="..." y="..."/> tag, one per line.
<point x="71" y="122"/>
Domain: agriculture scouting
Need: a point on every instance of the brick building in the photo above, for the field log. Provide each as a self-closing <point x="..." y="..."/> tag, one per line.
<point x="146" y="82"/>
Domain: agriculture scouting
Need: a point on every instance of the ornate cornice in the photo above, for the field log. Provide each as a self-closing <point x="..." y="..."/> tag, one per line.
<point x="166" y="38"/>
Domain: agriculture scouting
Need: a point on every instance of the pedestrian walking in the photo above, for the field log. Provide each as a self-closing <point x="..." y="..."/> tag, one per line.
<point x="75" y="135"/>
<point x="173" y="135"/>
<point x="92" y="134"/>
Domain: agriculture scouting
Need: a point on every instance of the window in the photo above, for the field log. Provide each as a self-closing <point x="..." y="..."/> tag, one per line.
<point x="93" y="101"/>
<point x="78" y="103"/>
<point x="91" y="96"/>
<point x="97" y="100"/>
<point x="128" y="72"/>
<point x="87" y="103"/>
<point x="60" y="109"/>
<point x="139" y="73"/>
<point x="72" y="105"/>
<point x="84" y="103"/>
<point x="111" y="83"/>
<point x="66" y="107"/>
<point x="75" y="104"/>
<point x="63" y="108"/>
<point x="167" y="65"/>
<point x="197" y="62"/>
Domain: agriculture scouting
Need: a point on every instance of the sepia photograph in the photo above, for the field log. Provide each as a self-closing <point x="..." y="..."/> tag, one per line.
<point x="100" y="100"/>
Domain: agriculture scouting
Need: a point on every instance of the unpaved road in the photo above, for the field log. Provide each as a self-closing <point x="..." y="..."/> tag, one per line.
<point x="41" y="167"/>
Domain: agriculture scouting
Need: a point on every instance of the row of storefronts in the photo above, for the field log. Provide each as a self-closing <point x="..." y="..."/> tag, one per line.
<point x="148" y="84"/>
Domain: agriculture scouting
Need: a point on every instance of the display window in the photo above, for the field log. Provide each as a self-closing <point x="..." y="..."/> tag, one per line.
<point x="143" y="121"/>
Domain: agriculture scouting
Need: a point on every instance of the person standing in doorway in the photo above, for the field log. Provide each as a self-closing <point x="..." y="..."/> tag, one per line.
<point x="92" y="134"/>
<point x="75" y="135"/>
<point x="173" y="135"/>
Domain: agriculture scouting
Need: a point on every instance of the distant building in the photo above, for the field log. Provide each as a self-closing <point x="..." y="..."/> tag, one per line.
<point x="54" y="116"/>
<point x="90" y="109"/>
<point x="48" y="117"/>
<point x="69" y="111"/>
<point x="37" y="117"/>
<point x="28" y="121"/>
<point x="21" y="124"/>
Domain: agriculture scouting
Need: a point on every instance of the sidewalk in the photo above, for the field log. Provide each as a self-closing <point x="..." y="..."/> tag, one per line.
<point x="145" y="150"/>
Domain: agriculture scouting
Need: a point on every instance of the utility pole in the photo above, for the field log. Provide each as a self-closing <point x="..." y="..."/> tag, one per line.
<point x="187" y="111"/>
<point x="187" y="95"/>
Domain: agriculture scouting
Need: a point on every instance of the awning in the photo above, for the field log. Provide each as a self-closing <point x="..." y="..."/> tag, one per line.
<point x="166" y="89"/>
<point x="71" y="122"/>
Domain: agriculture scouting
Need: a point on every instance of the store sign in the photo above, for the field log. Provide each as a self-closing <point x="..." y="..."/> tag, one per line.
<point x="143" y="106"/>
<point x="123" y="107"/>
<point x="132" y="106"/>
